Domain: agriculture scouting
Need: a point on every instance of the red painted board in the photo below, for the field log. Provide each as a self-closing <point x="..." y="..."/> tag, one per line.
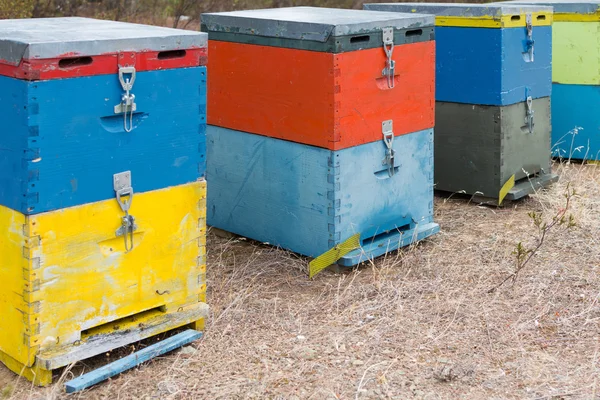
<point x="72" y="65"/>
<point x="321" y="99"/>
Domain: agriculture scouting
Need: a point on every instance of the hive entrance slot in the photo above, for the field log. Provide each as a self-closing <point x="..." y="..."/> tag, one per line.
<point x="122" y="324"/>
<point x="167" y="55"/>
<point x="387" y="234"/>
<point x="414" y="32"/>
<point x="360" y="39"/>
<point x="515" y="18"/>
<point x="541" y="17"/>
<point x="74" y="62"/>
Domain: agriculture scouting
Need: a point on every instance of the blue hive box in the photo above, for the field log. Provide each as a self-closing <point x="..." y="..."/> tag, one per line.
<point x="310" y="200"/>
<point x="70" y="124"/>
<point x="488" y="54"/>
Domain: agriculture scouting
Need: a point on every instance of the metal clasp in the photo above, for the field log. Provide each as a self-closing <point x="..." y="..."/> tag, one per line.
<point x="388" y="140"/>
<point x="127" y="105"/>
<point x="529" y="114"/>
<point x="388" y="47"/>
<point x="530" y="41"/>
<point x="124" y="194"/>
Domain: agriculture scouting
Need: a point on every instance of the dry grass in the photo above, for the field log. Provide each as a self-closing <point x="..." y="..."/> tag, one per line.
<point x="416" y="324"/>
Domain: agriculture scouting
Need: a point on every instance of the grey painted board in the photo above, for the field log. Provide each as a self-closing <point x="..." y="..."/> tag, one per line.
<point x="310" y="23"/>
<point x="458" y="9"/>
<point x="478" y="148"/>
<point x="43" y="38"/>
<point x="562" y="6"/>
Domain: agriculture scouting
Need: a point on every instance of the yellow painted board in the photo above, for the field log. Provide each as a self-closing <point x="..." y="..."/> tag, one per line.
<point x="575" y="17"/>
<point x="332" y="255"/>
<point x="503" y="21"/>
<point x="71" y="272"/>
<point x="508" y="185"/>
<point x="576" y="53"/>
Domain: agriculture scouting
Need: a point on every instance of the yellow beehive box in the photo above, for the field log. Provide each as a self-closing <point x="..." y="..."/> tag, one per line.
<point x="69" y="289"/>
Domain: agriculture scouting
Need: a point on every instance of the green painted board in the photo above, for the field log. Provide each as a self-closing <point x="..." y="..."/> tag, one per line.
<point x="576" y="53"/>
<point x="478" y="148"/>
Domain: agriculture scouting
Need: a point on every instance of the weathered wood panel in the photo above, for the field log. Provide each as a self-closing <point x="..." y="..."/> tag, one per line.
<point x="309" y="199"/>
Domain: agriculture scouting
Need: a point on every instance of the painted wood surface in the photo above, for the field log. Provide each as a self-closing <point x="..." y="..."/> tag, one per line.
<point x="576" y="121"/>
<point x="66" y="276"/>
<point x="576" y="53"/>
<point x="332" y="101"/>
<point x="69" y="66"/>
<point x="479" y="148"/>
<point x="63" y="141"/>
<point x="91" y="378"/>
<point x="490" y="15"/>
<point x="487" y="66"/>
<point x="308" y="199"/>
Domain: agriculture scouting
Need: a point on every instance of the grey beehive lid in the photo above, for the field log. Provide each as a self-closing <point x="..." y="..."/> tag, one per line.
<point x="459" y="9"/>
<point x="564" y="6"/>
<point x="310" y="23"/>
<point x="317" y="29"/>
<point x="45" y="38"/>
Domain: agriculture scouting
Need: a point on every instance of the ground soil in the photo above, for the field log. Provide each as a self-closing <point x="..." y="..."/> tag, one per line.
<point x="419" y="323"/>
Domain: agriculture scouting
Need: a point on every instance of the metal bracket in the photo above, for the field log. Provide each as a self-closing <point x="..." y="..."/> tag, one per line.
<point x="127" y="105"/>
<point x="530" y="42"/>
<point x="388" y="48"/>
<point x="123" y="189"/>
<point x="387" y="129"/>
<point x="124" y="194"/>
<point x="529" y="114"/>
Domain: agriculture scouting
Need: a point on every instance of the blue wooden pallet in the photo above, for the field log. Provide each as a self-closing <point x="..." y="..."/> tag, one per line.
<point x="101" y="374"/>
<point x="61" y="141"/>
<point x="486" y="66"/>
<point x="309" y="199"/>
<point x="576" y="121"/>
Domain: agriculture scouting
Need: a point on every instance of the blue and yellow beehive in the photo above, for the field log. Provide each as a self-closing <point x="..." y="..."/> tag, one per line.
<point x="575" y="77"/>
<point x="493" y="86"/>
<point x="94" y="111"/>
<point x="334" y="159"/>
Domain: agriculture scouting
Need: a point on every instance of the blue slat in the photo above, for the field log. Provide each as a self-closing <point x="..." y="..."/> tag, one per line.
<point x="63" y="143"/>
<point x="486" y="66"/>
<point x="117" y="367"/>
<point x="576" y="106"/>
<point x="308" y="199"/>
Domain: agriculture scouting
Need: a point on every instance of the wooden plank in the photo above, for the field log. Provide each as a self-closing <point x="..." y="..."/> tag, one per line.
<point x="126" y="363"/>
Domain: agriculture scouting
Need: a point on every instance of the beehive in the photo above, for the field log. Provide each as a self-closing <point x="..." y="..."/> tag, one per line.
<point x="493" y="69"/>
<point x="575" y="77"/>
<point x="85" y="265"/>
<point x="314" y="143"/>
<point x="319" y="76"/>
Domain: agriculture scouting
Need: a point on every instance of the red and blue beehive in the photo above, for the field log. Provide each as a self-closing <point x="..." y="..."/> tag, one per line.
<point x="320" y="129"/>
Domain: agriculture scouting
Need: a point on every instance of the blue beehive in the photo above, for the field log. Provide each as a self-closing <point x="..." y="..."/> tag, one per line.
<point x="67" y="127"/>
<point x="310" y="199"/>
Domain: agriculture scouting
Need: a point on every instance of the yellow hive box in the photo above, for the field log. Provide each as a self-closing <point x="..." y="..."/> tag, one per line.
<point x="69" y="290"/>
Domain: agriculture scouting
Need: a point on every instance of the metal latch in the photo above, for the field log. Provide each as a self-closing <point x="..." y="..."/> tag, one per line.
<point x="388" y="47"/>
<point x="529" y="114"/>
<point x="127" y="105"/>
<point x="387" y="128"/>
<point x="124" y="194"/>
<point x="530" y="41"/>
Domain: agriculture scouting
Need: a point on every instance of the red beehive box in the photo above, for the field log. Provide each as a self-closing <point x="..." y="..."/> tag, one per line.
<point x="320" y="76"/>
